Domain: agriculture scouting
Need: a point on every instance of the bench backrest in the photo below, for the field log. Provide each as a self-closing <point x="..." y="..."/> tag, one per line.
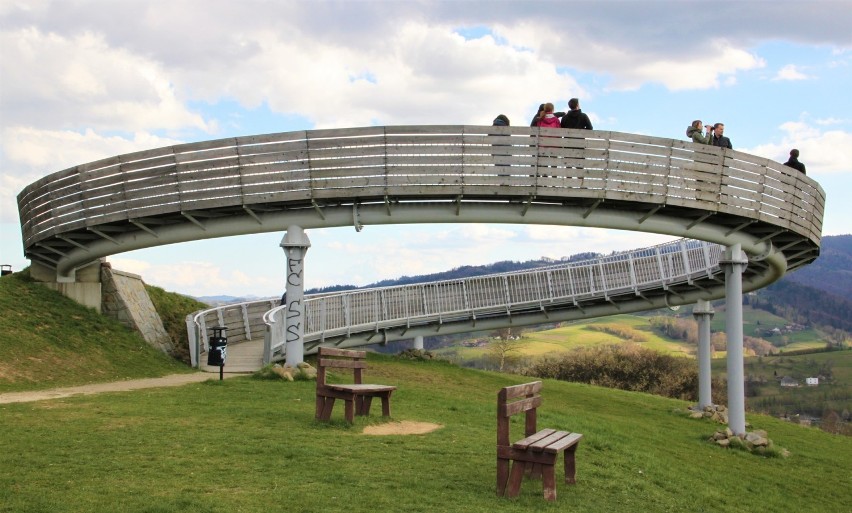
<point x="343" y="359"/>
<point x="513" y="400"/>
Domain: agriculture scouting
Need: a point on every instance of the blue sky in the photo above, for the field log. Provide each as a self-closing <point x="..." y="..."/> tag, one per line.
<point x="82" y="80"/>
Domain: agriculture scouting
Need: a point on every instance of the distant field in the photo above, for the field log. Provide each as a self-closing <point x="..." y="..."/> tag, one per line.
<point x="575" y="335"/>
<point x="582" y="334"/>
<point x="754" y="320"/>
<point x="766" y="395"/>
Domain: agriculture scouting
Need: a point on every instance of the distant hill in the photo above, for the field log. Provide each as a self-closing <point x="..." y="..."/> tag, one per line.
<point x="832" y="271"/>
<point x="225" y="300"/>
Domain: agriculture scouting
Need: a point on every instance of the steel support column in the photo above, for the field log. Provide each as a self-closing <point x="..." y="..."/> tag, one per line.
<point x="734" y="264"/>
<point x="295" y="244"/>
<point x="703" y="313"/>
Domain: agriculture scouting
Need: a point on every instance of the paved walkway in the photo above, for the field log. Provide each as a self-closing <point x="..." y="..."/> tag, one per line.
<point x="172" y="380"/>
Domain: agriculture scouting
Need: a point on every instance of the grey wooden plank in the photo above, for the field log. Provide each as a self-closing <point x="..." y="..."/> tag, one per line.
<point x="278" y="137"/>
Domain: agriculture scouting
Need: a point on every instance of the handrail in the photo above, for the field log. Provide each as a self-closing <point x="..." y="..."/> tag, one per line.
<point x="630" y="272"/>
<point x="324" y="178"/>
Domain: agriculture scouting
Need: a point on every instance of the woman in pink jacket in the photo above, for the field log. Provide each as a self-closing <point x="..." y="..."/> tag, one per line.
<point x="547" y="119"/>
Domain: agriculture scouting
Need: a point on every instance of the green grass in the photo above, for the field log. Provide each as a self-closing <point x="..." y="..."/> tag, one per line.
<point x="173" y="309"/>
<point x="48" y="340"/>
<point x="253" y="445"/>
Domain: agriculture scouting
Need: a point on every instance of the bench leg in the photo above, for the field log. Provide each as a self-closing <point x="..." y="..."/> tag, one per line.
<point x="363" y="406"/>
<point x="515" y="477"/>
<point x="548" y="482"/>
<point x="570" y="468"/>
<point x="350" y="410"/>
<point x="324" y="407"/>
<point x="502" y="476"/>
<point x="534" y="470"/>
<point x="386" y="404"/>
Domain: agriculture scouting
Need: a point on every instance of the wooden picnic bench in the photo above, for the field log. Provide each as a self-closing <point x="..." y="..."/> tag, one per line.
<point x="536" y="454"/>
<point x="358" y="395"/>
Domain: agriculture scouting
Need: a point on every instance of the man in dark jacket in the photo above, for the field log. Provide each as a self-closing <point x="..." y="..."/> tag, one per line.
<point x="719" y="138"/>
<point x="575" y="117"/>
<point x="794" y="161"/>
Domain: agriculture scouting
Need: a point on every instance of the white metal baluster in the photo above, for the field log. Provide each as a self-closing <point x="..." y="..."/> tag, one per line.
<point x="686" y="266"/>
<point x="662" y="272"/>
<point x="246" y="325"/>
<point x="633" y="274"/>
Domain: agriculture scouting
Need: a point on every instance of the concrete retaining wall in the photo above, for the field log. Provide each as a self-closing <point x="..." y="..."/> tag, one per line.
<point x="124" y="298"/>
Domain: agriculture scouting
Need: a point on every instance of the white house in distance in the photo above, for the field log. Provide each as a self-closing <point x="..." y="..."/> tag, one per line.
<point x="812" y="382"/>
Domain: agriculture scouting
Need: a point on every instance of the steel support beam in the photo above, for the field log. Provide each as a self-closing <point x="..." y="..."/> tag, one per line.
<point x="703" y="313"/>
<point x="734" y="264"/>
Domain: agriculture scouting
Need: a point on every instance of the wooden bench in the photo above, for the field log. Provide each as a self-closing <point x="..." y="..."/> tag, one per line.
<point x="358" y="396"/>
<point x="536" y="454"/>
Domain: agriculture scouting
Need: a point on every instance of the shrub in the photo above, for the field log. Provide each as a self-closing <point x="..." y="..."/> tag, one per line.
<point x="626" y="367"/>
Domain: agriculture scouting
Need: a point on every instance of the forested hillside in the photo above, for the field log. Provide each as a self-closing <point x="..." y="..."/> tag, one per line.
<point x="832" y="271"/>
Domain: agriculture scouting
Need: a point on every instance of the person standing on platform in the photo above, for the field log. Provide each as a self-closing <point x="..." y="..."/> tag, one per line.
<point x="793" y="161"/>
<point x="534" y="121"/>
<point x="694" y="132"/>
<point x="575" y="118"/>
<point x="719" y="138"/>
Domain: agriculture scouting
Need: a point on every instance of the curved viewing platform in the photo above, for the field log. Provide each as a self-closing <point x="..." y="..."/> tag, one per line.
<point x="423" y="174"/>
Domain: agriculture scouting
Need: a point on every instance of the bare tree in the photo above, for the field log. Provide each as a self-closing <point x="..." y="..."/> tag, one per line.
<point x="502" y="348"/>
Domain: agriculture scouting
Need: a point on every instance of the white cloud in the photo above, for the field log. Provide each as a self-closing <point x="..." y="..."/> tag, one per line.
<point x="790" y="72"/>
<point x="197" y="278"/>
<point x="81" y="81"/>
<point x="822" y="151"/>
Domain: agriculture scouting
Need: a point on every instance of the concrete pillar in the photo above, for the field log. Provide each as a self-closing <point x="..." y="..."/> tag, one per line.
<point x="418" y="342"/>
<point x="295" y="244"/>
<point x="703" y="313"/>
<point x="734" y="264"/>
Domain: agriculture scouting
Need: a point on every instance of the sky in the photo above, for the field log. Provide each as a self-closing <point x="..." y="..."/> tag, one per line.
<point x="82" y="80"/>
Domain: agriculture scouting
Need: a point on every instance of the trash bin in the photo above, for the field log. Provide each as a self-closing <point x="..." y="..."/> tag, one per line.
<point x="218" y="352"/>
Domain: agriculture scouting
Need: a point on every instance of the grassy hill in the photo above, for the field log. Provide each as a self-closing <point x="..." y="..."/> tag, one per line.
<point x="253" y="445"/>
<point x="48" y="340"/>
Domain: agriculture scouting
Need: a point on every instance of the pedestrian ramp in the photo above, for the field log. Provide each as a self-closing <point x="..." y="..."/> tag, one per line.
<point x="243" y="357"/>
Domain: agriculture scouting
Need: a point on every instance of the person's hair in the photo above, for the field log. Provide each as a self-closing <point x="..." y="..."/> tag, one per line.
<point x="548" y="107"/>
<point x="794" y="153"/>
<point x="503" y="118"/>
<point x="717" y="125"/>
<point x="696" y="123"/>
<point x="573" y="103"/>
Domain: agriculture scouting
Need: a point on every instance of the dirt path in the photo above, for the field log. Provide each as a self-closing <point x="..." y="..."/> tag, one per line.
<point x="172" y="380"/>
